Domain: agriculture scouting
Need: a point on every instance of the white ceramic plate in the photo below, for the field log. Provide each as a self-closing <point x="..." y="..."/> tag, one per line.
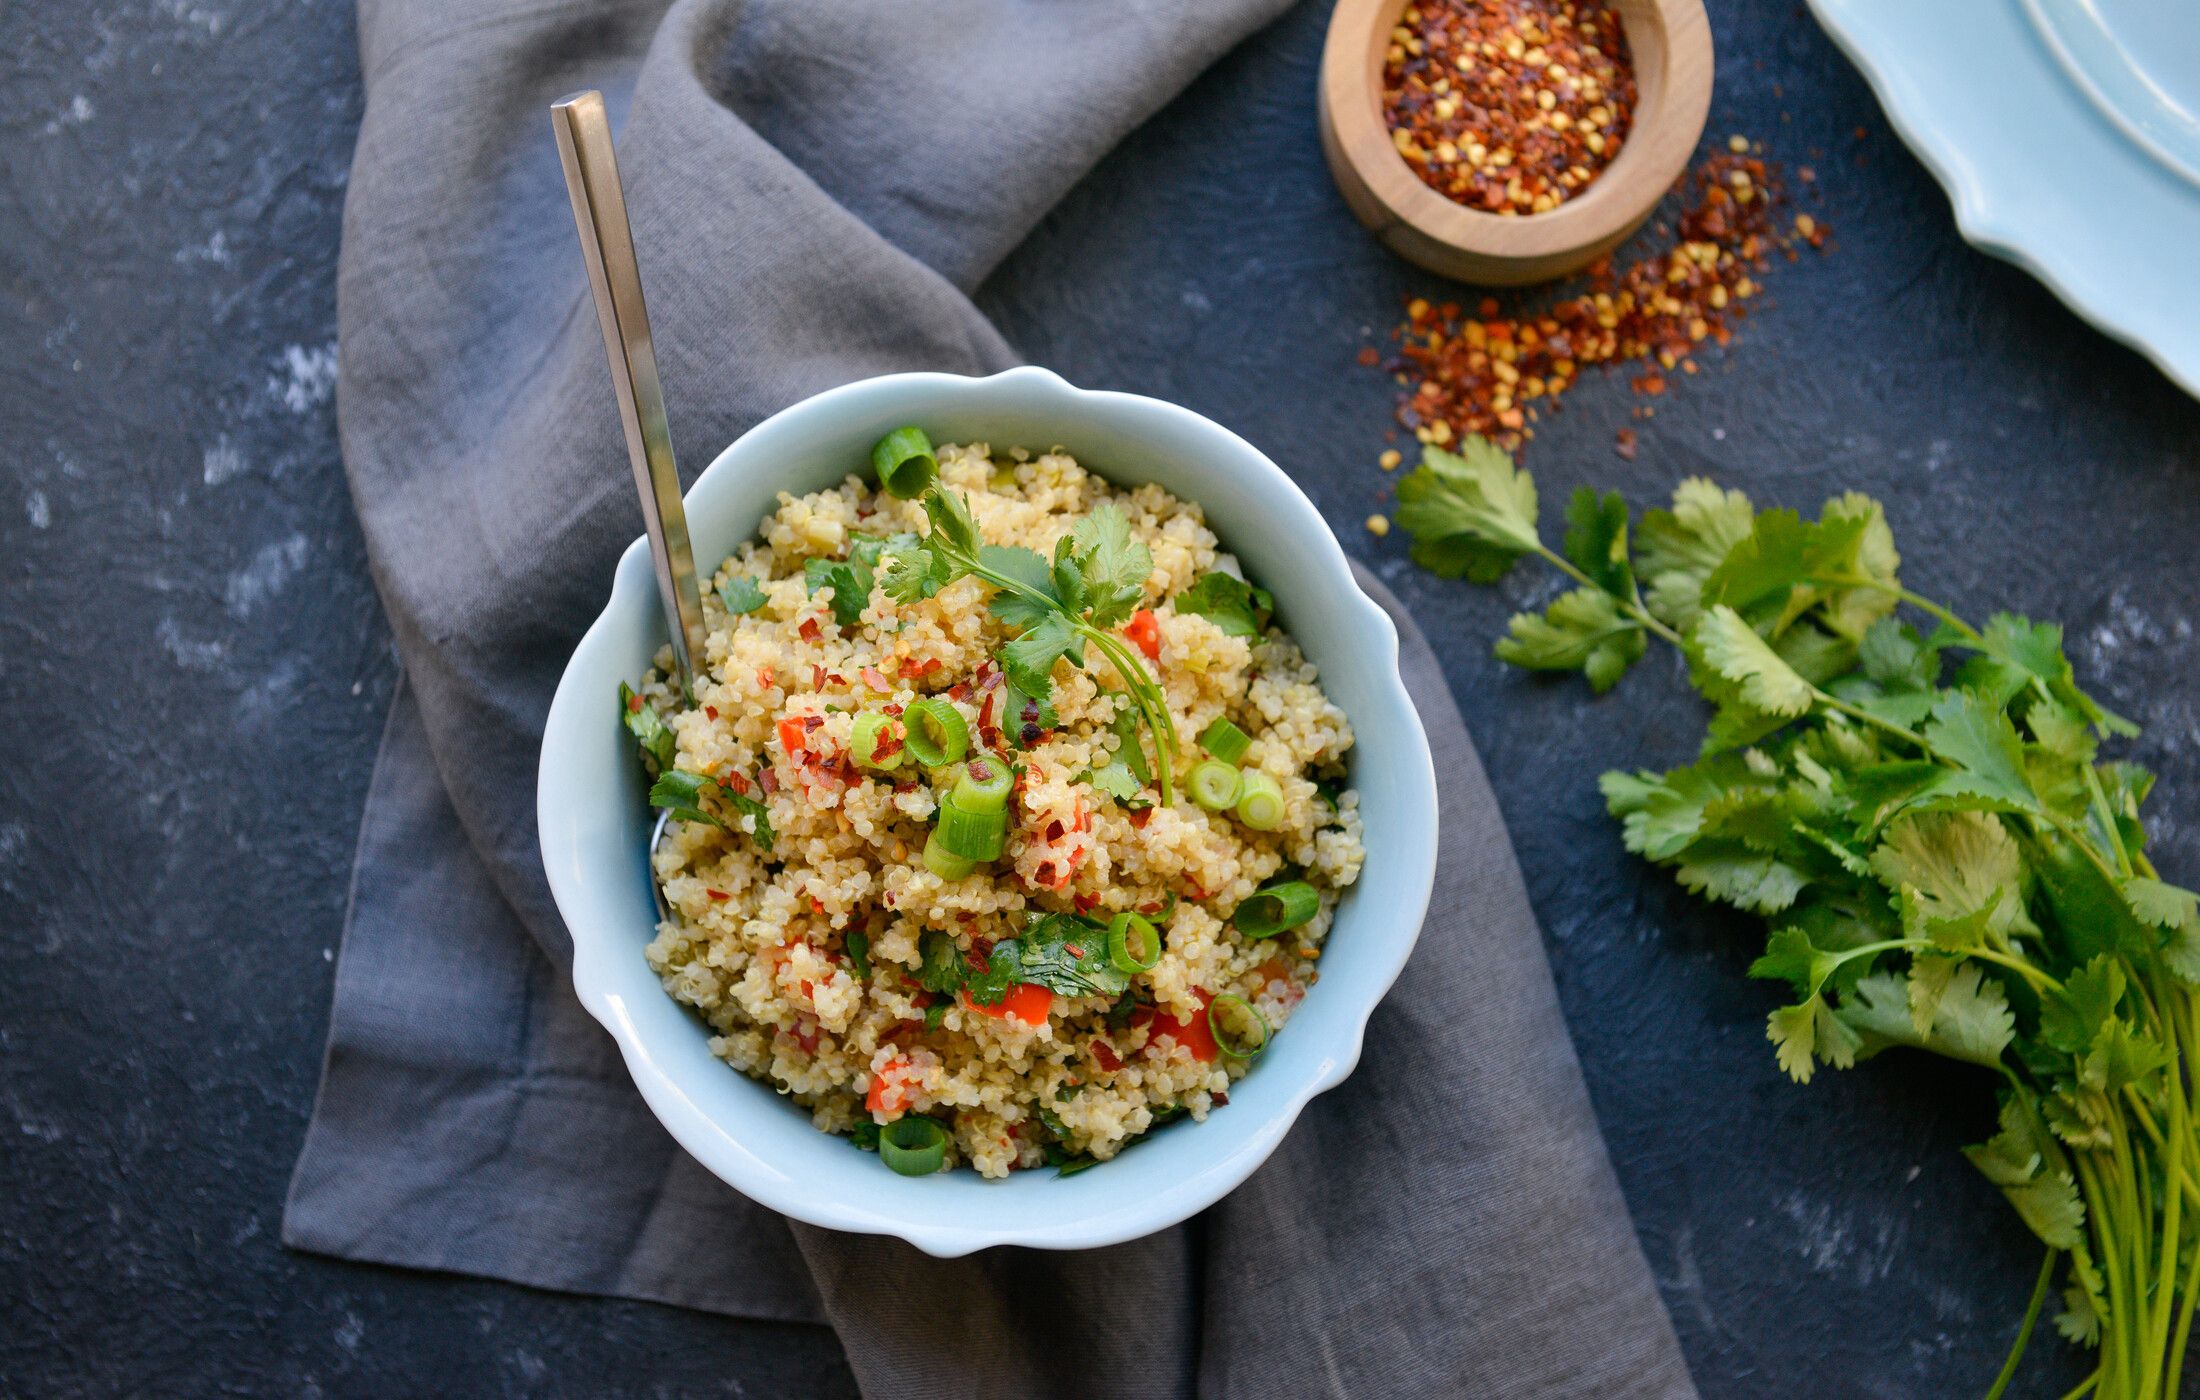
<point x="2067" y="133"/>
<point x="595" y="823"/>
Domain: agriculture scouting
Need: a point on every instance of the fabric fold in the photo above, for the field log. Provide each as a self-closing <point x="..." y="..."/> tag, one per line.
<point x="816" y="190"/>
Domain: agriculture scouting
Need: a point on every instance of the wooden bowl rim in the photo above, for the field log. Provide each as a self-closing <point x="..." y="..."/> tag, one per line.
<point x="1663" y="137"/>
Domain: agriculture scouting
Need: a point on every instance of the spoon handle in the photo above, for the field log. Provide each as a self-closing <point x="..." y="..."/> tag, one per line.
<point x="607" y="246"/>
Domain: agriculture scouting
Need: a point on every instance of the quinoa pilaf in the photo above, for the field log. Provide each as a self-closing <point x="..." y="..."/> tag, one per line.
<point x="1008" y="826"/>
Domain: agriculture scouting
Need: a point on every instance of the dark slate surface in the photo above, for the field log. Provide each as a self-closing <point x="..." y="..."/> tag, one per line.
<point x="193" y="671"/>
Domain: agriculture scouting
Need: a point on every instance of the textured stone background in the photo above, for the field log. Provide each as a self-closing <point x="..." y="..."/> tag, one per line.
<point x="193" y="672"/>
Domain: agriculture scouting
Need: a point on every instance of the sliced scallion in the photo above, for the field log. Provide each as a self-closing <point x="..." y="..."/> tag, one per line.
<point x="973" y="834"/>
<point x="1260" y="801"/>
<point x="1134" y="944"/>
<point x="1224" y="740"/>
<point x="938" y="734"/>
<point x="1240" y="1031"/>
<point x="873" y="732"/>
<point x="913" y="1146"/>
<point x="943" y="862"/>
<point x="984" y="784"/>
<point x="1270" y="911"/>
<point x="1214" y="785"/>
<point x="904" y="462"/>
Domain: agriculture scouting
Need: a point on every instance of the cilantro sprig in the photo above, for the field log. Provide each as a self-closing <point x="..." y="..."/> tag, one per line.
<point x="1059" y="607"/>
<point x="1918" y="808"/>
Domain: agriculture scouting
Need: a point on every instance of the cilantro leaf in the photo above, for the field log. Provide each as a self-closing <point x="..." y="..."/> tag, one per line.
<point x="2015" y="652"/>
<point x="2072" y="1018"/>
<point x="1959" y="863"/>
<point x="953" y="531"/>
<point x="850" y="580"/>
<point x="1028" y="660"/>
<point x="1733" y="874"/>
<point x="1731" y="647"/>
<point x="2026" y="1164"/>
<point x="1113" y="564"/>
<point x="1030" y="570"/>
<point x="2162" y="905"/>
<point x="1064" y="954"/>
<point x="681" y="793"/>
<point x="911" y="575"/>
<point x="647" y="727"/>
<point x="941" y="969"/>
<point x="1981" y="742"/>
<point x="1580" y="631"/>
<point x="742" y="595"/>
<point x="1596" y="539"/>
<point x="1971" y="1020"/>
<point x="1231" y="604"/>
<point x="1676" y="550"/>
<point x="1808" y="1032"/>
<point x="1469" y="514"/>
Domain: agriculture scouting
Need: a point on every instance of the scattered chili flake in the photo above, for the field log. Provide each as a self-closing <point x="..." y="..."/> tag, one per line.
<point x="876" y="679"/>
<point x="808" y="629"/>
<point x="1104" y="1055"/>
<point x="1624" y="444"/>
<point x="719" y="895"/>
<point x="1370" y="356"/>
<point x="1474" y="370"/>
<point x="711" y="710"/>
<point x="763" y="678"/>
<point x="1508" y="106"/>
<point x="634" y="702"/>
<point x="768" y="779"/>
<point x="1086" y="903"/>
<point x="1139" y="816"/>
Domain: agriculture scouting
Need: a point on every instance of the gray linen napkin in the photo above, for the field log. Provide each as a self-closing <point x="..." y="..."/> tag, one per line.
<point x="816" y="188"/>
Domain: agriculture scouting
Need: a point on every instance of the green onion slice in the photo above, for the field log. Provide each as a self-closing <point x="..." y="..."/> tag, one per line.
<point x="984" y="784"/>
<point x="1240" y="1031"/>
<point x="1225" y="741"/>
<point x="938" y="734"/>
<point x="972" y="834"/>
<point x="904" y="461"/>
<point x="872" y="731"/>
<point x="1270" y="911"/>
<point x="943" y="862"/>
<point x="917" y="1146"/>
<point x="1214" y="785"/>
<point x="1134" y="944"/>
<point x="1260" y="801"/>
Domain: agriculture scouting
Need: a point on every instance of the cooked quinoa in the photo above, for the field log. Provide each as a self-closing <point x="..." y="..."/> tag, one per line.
<point x="766" y="945"/>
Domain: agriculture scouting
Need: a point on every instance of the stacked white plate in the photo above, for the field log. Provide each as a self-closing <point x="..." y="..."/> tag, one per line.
<point x="2067" y="132"/>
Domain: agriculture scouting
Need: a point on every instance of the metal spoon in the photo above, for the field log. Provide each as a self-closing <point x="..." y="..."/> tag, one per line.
<point x="607" y="247"/>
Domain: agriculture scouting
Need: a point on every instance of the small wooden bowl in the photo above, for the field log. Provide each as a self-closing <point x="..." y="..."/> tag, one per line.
<point x="1671" y="44"/>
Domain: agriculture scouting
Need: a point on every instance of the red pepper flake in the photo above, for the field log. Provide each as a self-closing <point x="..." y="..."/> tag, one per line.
<point x="1508" y="106"/>
<point x="808" y="629"/>
<point x="1370" y="356"/>
<point x="1195" y="893"/>
<point x="1484" y="373"/>
<point x="894" y="710"/>
<point x="913" y="669"/>
<point x="1086" y="903"/>
<point x="1219" y="1100"/>
<point x="719" y="895"/>
<point x="817" y="676"/>
<point x="989" y="679"/>
<point x="1139" y="816"/>
<point x="817" y="906"/>
<point x="1054" y="832"/>
<point x="633" y="704"/>
<point x="1150" y="908"/>
<point x="959" y="692"/>
<point x="768" y="779"/>
<point x="1624" y="444"/>
<point x="813" y="722"/>
<point x="738" y="783"/>
<point x="711" y="711"/>
<point x="876" y="679"/>
<point x="764" y="678"/>
<point x="1044" y="875"/>
<point x="1104" y="1055"/>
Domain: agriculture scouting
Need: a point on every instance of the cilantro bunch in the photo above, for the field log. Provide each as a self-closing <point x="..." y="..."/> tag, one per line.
<point x="1059" y="607"/>
<point x="1919" y="810"/>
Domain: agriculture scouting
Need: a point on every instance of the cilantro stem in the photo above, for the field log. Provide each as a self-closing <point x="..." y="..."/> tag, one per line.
<point x="1630" y="606"/>
<point x="2024" y="1329"/>
<point x="1837" y="704"/>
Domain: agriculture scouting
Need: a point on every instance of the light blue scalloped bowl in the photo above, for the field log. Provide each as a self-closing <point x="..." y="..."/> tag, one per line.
<point x="595" y="824"/>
